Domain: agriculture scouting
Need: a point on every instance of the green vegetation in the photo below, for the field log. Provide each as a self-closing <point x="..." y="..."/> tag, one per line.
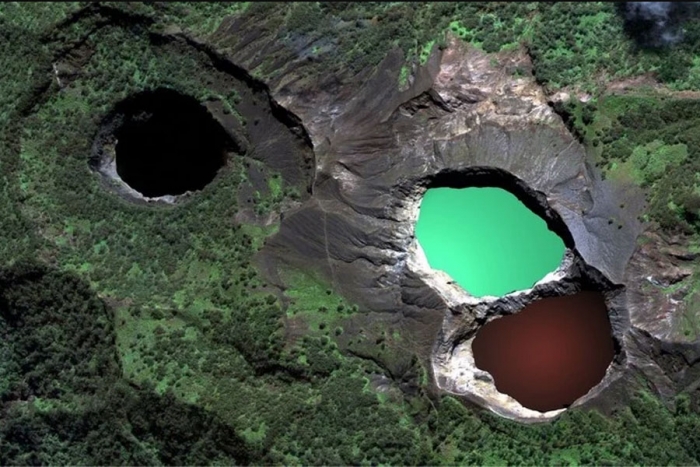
<point x="62" y="395"/>
<point x="311" y="296"/>
<point x="426" y="51"/>
<point x="189" y="255"/>
<point x="579" y="45"/>
<point x="403" y="76"/>
<point x="650" y="140"/>
<point x="260" y="405"/>
<point x="144" y="335"/>
<point x="571" y="44"/>
<point x="201" y="19"/>
<point x="689" y="322"/>
<point x="660" y="138"/>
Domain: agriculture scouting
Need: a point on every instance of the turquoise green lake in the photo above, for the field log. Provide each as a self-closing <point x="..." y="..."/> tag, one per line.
<point x="486" y="239"/>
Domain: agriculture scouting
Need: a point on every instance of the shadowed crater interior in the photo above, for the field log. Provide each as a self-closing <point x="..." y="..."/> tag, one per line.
<point x="168" y="144"/>
<point x="492" y="177"/>
<point x="549" y="354"/>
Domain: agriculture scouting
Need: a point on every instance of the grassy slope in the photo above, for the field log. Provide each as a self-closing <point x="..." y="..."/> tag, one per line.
<point x="190" y="321"/>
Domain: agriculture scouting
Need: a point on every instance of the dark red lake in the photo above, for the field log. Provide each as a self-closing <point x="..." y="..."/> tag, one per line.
<point x="550" y="353"/>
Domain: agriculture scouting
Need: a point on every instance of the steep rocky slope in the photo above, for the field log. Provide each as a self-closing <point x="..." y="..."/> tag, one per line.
<point x="465" y="118"/>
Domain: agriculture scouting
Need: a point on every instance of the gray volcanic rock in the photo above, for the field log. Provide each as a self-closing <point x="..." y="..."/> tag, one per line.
<point x="367" y="166"/>
<point x="463" y="116"/>
<point x="658" y="281"/>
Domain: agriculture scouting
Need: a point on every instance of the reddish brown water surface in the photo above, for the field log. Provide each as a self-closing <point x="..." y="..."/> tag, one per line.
<point x="550" y="353"/>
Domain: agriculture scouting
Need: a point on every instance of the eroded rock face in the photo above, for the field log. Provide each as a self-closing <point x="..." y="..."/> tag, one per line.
<point x="378" y="148"/>
<point x="659" y="280"/>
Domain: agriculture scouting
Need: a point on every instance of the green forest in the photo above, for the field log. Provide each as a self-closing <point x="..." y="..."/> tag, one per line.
<point x="146" y="335"/>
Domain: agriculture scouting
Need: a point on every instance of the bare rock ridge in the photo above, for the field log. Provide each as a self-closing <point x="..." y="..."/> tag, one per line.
<point x="462" y="119"/>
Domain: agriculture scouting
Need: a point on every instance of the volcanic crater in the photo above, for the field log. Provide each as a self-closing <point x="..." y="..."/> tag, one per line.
<point x="566" y="311"/>
<point x="377" y="146"/>
<point x="549" y="354"/>
<point x="168" y="144"/>
<point x="161" y="144"/>
<point x="461" y="122"/>
<point x="552" y="351"/>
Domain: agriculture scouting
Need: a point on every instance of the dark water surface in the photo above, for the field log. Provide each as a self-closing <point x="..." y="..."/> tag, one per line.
<point x="550" y="353"/>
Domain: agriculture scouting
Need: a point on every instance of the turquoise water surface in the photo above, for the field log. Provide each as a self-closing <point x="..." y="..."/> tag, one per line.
<point x="486" y="239"/>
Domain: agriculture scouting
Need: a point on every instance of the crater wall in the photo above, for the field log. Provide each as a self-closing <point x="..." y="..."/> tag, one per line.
<point x="377" y="150"/>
